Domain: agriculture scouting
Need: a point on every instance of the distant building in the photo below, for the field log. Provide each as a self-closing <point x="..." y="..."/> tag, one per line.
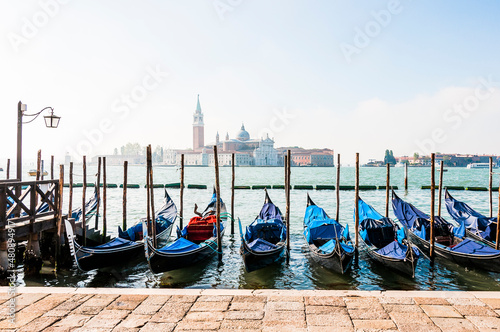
<point x="309" y="157"/>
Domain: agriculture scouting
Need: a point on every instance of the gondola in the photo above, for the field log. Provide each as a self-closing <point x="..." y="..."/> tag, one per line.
<point x="450" y="242"/>
<point x="195" y="243"/>
<point x="329" y="242"/>
<point x="478" y="226"/>
<point x="263" y="242"/>
<point x="385" y="242"/>
<point x="127" y="246"/>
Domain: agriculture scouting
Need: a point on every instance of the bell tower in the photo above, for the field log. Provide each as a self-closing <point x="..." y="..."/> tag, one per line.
<point x="198" y="128"/>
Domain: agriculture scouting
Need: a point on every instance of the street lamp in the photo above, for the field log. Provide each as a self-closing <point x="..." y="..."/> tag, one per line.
<point x="51" y="121"/>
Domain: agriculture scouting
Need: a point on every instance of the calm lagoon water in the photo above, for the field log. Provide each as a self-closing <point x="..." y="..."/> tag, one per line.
<point x="298" y="272"/>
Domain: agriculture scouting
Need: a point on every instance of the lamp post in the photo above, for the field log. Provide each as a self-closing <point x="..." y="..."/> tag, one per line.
<point x="51" y="121"/>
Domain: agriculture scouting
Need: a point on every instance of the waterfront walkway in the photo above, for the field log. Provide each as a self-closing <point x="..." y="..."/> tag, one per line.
<point x="118" y="309"/>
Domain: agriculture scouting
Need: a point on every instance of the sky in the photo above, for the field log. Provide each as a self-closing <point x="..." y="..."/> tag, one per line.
<point x="353" y="76"/>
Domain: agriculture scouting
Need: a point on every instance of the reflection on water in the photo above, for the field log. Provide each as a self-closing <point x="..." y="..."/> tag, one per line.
<point x="298" y="271"/>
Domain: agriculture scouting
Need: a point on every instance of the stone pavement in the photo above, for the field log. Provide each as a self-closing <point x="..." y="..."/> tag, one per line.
<point x="118" y="309"/>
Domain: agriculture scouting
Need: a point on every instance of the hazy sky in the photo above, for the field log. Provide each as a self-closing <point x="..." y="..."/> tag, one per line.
<point x="354" y="76"/>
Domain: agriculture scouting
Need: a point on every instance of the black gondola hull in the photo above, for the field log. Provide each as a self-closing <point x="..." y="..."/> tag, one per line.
<point x="406" y="266"/>
<point x="485" y="262"/>
<point x="89" y="259"/>
<point x="339" y="261"/>
<point x="256" y="260"/>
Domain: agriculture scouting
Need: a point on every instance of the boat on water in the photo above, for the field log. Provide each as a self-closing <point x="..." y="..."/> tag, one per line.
<point x="385" y="242"/>
<point x="32" y="172"/>
<point x="126" y="247"/>
<point x="478" y="226"/>
<point x="195" y="243"/>
<point x="264" y="240"/>
<point x="480" y="165"/>
<point x="329" y="242"/>
<point x="451" y="244"/>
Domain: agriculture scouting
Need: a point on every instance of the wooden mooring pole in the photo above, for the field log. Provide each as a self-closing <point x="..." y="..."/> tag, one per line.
<point x="59" y="215"/>
<point x="8" y="169"/>
<point x="356" y="200"/>
<point x="148" y="197"/>
<point x="387" y="185"/>
<point x="104" y="200"/>
<point x="433" y="189"/>
<point x="217" y="203"/>
<point x="440" y="188"/>
<point x="98" y="190"/>
<point x="406" y="176"/>
<point x="84" y="189"/>
<point x="232" y="193"/>
<point x="125" y="171"/>
<point x="152" y="197"/>
<point x="288" y="207"/>
<point x="38" y="165"/>
<point x="52" y="167"/>
<point x="337" y="189"/>
<point x="491" y="187"/>
<point x="70" y="202"/>
<point x="498" y="220"/>
<point x="181" y="214"/>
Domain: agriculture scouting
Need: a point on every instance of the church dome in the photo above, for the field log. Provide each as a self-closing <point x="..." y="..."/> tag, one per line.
<point x="243" y="135"/>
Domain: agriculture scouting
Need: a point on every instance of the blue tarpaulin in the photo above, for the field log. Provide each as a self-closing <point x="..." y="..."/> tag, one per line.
<point x="469" y="246"/>
<point x="319" y="226"/>
<point x="115" y="243"/>
<point x="261" y="245"/>
<point x="395" y="250"/>
<point x="180" y="245"/>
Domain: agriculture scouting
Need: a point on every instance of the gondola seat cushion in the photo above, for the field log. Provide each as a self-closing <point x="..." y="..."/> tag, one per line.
<point x="261" y="245"/>
<point x="200" y="229"/>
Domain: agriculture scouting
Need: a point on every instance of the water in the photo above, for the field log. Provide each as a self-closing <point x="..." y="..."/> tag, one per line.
<point x="299" y="272"/>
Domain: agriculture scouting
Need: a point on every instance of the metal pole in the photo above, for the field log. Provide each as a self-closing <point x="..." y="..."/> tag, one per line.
<point x="433" y="189"/>
<point x="19" y="142"/>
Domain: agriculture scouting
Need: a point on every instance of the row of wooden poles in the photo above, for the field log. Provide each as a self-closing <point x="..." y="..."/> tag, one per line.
<point x="287" y="164"/>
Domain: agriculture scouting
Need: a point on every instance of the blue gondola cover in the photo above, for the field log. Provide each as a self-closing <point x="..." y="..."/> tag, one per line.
<point x="469" y="246"/>
<point x="261" y="245"/>
<point x="394" y="250"/>
<point x="115" y="243"/>
<point x="179" y="246"/>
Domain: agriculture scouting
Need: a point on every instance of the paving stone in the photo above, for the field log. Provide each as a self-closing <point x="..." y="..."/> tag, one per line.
<point x="431" y="300"/>
<point x="325" y="300"/>
<point x="100" y="300"/>
<point x="210" y="306"/>
<point x="401" y="308"/>
<point x="284" y="306"/>
<point x="97" y="322"/>
<point x="396" y="300"/>
<point x="485" y="322"/>
<point x="38" y="324"/>
<point x="198" y="325"/>
<point x="29" y="298"/>
<point x="182" y="298"/>
<point x="418" y="328"/>
<point x="409" y="318"/>
<point x="212" y="316"/>
<point x="328" y="320"/>
<point x="284" y="316"/>
<point x="168" y="316"/>
<point x="475" y="310"/>
<point x="49" y="302"/>
<point x="156" y="299"/>
<point x="158" y="327"/>
<point x="58" y="329"/>
<point x="92" y="329"/>
<point x="465" y="301"/>
<point x="454" y="324"/>
<point x="112" y="314"/>
<point x="247" y="305"/>
<point x="374" y="325"/>
<point x="285" y="299"/>
<point x="85" y="310"/>
<point x="214" y="298"/>
<point x="284" y="325"/>
<point x="134" y="321"/>
<point x="249" y="298"/>
<point x="244" y="315"/>
<point x="125" y="329"/>
<point x="241" y="324"/>
<point x="332" y="328"/>
<point x="147" y="309"/>
<point x="493" y="303"/>
<point x="440" y="311"/>
<point x="73" y="302"/>
<point x="362" y="302"/>
<point x="363" y="313"/>
<point x="73" y="320"/>
<point x="22" y="318"/>
<point x="127" y="302"/>
<point x="56" y="313"/>
<point x="325" y="309"/>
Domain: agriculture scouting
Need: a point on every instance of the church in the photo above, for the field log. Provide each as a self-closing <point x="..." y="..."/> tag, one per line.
<point x="247" y="151"/>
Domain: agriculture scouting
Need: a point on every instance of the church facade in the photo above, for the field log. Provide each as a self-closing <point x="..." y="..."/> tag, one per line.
<point x="247" y="151"/>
